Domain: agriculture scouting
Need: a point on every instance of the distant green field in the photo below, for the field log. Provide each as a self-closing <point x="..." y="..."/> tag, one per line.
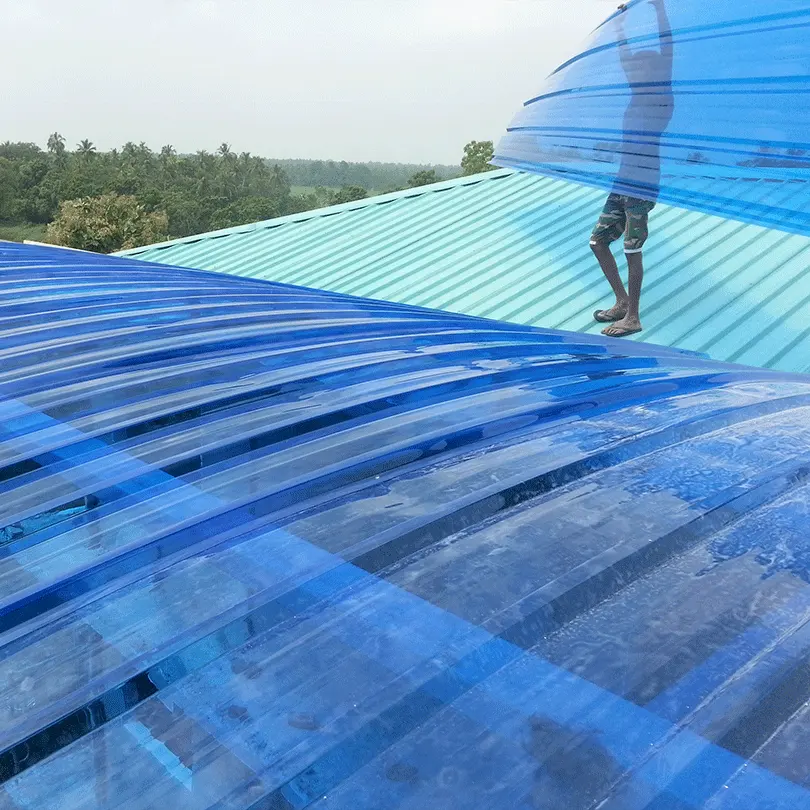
<point x="301" y="190"/>
<point x="19" y="233"/>
<point x="308" y="189"/>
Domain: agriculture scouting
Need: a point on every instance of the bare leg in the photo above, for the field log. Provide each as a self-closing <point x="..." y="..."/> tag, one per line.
<point x="611" y="271"/>
<point x="631" y="322"/>
<point x="635" y="266"/>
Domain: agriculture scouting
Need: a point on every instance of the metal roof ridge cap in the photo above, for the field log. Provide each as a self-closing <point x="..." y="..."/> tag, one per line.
<point x="329" y="210"/>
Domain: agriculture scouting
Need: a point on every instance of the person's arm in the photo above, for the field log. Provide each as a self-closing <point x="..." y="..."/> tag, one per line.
<point x="625" y="54"/>
<point x="664" y="34"/>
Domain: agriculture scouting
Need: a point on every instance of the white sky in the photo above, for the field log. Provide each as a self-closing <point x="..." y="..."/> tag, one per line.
<point x="388" y="80"/>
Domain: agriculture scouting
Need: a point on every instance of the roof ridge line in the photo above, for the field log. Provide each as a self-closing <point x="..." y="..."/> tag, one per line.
<point x="326" y="211"/>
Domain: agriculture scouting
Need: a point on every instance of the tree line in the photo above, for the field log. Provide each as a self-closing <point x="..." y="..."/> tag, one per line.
<point x="135" y="195"/>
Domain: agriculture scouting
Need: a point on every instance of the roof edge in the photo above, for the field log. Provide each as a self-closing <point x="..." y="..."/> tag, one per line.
<point x="331" y="210"/>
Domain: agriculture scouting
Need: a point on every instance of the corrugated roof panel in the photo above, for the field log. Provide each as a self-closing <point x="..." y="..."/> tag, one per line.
<point x="266" y="547"/>
<point x="661" y="97"/>
<point x="514" y="247"/>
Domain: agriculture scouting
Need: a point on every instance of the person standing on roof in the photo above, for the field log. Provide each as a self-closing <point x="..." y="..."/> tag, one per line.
<point x="649" y="76"/>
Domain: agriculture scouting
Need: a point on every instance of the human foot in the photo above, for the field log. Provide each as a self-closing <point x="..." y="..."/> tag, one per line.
<point x="626" y="326"/>
<point x="615" y="313"/>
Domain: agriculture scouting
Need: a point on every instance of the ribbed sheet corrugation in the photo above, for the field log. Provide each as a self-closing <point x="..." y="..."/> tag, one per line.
<point x="513" y="246"/>
<point x="666" y="92"/>
<point x="265" y="548"/>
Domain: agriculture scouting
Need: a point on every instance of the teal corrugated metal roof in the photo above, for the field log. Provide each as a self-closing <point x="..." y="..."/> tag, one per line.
<point x="514" y="247"/>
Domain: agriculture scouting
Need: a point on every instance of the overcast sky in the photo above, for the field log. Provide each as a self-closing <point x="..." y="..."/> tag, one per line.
<point x="387" y="80"/>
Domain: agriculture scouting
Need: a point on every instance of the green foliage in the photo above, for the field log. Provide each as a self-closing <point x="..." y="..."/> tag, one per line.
<point x="56" y="144"/>
<point x="19" y="151"/>
<point x="106" y="224"/>
<point x="187" y="214"/>
<point x="423" y="178"/>
<point x="198" y="193"/>
<point x="86" y="149"/>
<point x="348" y="194"/>
<point x="477" y="155"/>
<point x="248" y="209"/>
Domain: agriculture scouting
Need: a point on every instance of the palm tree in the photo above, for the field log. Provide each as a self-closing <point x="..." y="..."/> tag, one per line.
<point x="86" y="149"/>
<point x="56" y="144"/>
<point x="245" y="170"/>
<point x="279" y="182"/>
<point x="167" y="163"/>
<point x="205" y="159"/>
<point x="224" y="150"/>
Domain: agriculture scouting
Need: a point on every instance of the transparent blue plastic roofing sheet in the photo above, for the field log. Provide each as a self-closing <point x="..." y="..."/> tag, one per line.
<point x="703" y="105"/>
<point x="267" y="548"/>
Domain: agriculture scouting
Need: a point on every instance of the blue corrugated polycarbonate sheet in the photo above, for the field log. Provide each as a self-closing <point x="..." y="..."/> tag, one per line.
<point x="264" y="547"/>
<point x="699" y="104"/>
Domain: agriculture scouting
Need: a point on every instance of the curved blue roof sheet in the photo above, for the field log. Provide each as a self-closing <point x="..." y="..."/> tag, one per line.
<point x="266" y="547"/>
<point x="696" y="104"/>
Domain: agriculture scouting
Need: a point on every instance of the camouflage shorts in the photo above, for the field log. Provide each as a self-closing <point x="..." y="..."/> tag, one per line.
<point x="623" y="215"/>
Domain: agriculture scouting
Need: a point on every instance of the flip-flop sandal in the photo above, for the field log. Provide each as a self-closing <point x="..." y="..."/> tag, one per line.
<point x="620" y="332"/>
<point x="601" y="316"/>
